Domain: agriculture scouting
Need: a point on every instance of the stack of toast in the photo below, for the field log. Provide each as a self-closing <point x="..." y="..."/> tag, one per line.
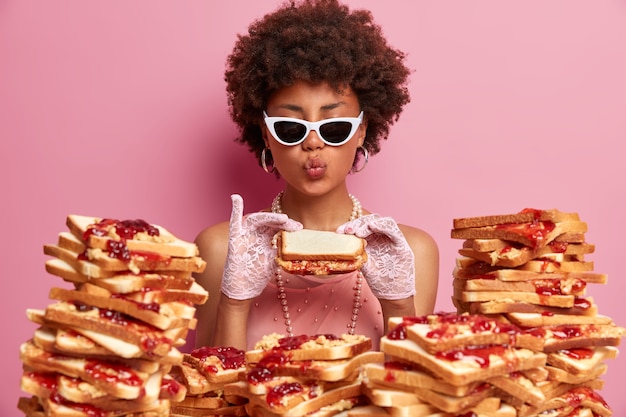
<point x="204" y="372"/>
<point x="447" y="364"/>
<point x="530" y="269"/>
<point x="313" y="376"/>
<point x="106" y="345"/>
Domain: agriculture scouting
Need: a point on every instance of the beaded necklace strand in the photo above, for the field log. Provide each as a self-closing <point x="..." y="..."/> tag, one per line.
<point x="356" y="212"/>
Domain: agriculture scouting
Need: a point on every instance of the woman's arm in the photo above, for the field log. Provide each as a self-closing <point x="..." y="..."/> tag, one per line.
<point x="212" y="244"/>
<point x="426" y="255"/>
<point x="231" y="322"/>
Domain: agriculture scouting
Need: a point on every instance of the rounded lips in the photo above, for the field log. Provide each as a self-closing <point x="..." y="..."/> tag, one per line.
<point x="315" y="167"/>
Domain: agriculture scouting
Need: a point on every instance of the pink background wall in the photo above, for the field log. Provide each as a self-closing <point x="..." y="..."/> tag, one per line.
<point x="118" y="109"/>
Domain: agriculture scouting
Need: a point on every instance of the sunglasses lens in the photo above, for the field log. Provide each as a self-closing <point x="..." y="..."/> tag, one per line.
<point x="335" y="132"/>
<point x="290" y="132"/>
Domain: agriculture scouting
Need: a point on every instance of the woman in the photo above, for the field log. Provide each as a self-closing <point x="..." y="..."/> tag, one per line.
<point x="314" y="88"/>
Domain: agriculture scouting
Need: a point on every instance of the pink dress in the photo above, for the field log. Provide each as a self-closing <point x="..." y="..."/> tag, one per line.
<point x="317" y="305"/>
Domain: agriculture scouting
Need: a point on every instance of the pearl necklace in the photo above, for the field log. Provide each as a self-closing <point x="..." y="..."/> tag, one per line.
<point x="357" y="211"/>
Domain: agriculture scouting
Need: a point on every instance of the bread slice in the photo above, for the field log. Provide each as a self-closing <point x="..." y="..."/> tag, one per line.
<point x="388" y="396"/>
<point x="568" y="243"/>
<point x="202" y="403"/>
<point x="150" y="340"/>
<point x="309" y="347"/>
<point x="449" y="403"/>
<point x="527" y="215"/>
<point x="464" y="368"/>
<point x="314" y="245"/>
<point x="581" y="361"/>
<point x="265" y="386"/>
<point x="30" y="406"/>
<point x="551" y="266"/>
<point x="82" y="392"/>
<point x="483" y="270"/>
<point x="230" y="410"/>
<point x="579" y="396"/>
<point x="120" y="382"/>
<point x="580" y="336"/>
<point x="562" y="301"/>
<point x="519" y="386"/>
<point x="149" y="312"/>
<point x="536" y="234"/>
<point x="159" y="408"/>
<point x="540" y="320"/>
<point x="136" y="261"/>
<point x="137" y="235"/>
<point x="325" y="370"/>
<point x="582" y="306"/>
<point x="73" y="343"/>
<point x="194" y="381"/>
<point x="489" y="407"/>
<point x="295" y="402"/>
<point x="402" y="375"/>
<point x="315" y="252"/>
<point x="121" y="282"/>
<point x="510" y="256"/>
<point x="218" y="364"/>
<point x="563" y="286"/>
<point x="447" y="331"/>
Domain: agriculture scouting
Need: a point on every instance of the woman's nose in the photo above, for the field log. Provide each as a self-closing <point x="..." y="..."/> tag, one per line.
<point x="312" y="141"/>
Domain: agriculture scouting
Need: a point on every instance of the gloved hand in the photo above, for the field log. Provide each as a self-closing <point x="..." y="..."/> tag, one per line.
<point x="250" y="262"/>
<point x="390" y="267"/>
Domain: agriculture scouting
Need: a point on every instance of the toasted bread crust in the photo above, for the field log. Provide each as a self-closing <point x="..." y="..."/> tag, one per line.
<point x="524" y="216"/>
<point x="317" y="245"/>
<point x="315" y="347"/>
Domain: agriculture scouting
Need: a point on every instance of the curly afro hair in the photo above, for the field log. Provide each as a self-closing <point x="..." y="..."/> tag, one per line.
<point x="316" y="41"/>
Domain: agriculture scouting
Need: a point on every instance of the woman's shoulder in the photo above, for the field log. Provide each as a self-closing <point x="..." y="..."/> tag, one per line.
<point x="212" y="237"/>
<point x="419" y="239"/>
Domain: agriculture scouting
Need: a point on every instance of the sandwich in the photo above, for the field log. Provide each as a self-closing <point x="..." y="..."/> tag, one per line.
<point x="315" y="252"/>
<point x="106" y="347"/>
<point x="204" y="372"/>
<point x="529" y="270"/>
<point x="304" y="375"/>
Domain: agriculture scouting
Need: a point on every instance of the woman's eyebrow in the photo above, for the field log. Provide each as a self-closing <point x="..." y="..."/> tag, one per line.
<point x="297" y="108"/>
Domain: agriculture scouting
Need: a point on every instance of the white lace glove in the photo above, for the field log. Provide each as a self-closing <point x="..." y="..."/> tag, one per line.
<point x="250" y="262"/>
<point x="390" y="267"/>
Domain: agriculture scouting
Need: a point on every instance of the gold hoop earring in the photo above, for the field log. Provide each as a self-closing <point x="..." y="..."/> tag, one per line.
<point x="264" y="164"/>
<point x="366" y="156"/>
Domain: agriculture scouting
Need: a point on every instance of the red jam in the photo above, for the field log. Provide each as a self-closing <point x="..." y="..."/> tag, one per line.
<point x="391" y="366"/>
<point x="479" y="354"/>
<point x="46" y="380"/>
<point x="578" y="353"/>
<point x="581" y="303"/>
<point x="576" y="396"/>
<point x="536" y="212"/>
<point x="399" y="332"/>
<point x="558" y="247"/>
<point x="566" y="332"/>
<point x="125" y="229"/>
<point x="171" y="386"/>
<point x="535" y="231"/>
<point x="112" y="373"/>
<point x="277" y="393"/>
<point x="86" y="409"/>
<point x="230" y="357"/>
<point x="155" y="307"/>
<point x="294" y="342"/>
<point x="259" y="375"/>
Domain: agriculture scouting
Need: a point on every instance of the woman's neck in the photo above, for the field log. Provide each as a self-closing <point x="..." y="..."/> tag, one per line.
<point x="325" y="212"/>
